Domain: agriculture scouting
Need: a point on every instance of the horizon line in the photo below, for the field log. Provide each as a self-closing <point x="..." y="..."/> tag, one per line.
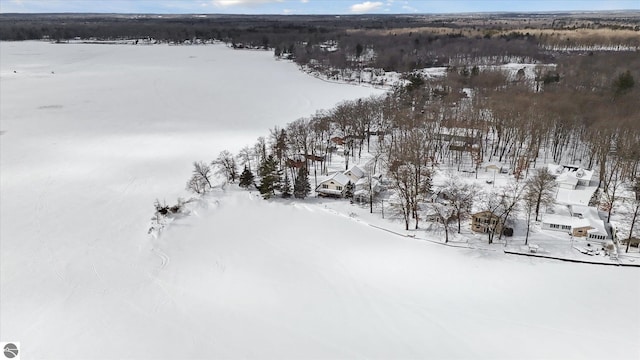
<point x="327" y="14"/>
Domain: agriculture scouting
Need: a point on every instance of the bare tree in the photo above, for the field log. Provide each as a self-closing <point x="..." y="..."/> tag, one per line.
<point x="530" y="202"/>
<point x="460" y="196"/>
<point x="612" y="184"/>
<point x="510" y="198"/>
<point x="368" y="185"/>
<point x="409" y="174"/>
<point x="540" y="189"/>
<point x="406" y="166"/>
<point x="226" y="164"/>
<point x="636" y="211"/>
<point x="260" y="149"/>
<point x="492" y="202"/>
<point x="502" y="202"/>
<point x="245" y="156"/>
<point x="200" y="181"/>
<point x="403" y="183"/>
<point x="444" y="213"/>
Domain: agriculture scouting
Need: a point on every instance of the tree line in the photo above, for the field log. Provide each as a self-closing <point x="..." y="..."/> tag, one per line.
<point x="391" y="42"/>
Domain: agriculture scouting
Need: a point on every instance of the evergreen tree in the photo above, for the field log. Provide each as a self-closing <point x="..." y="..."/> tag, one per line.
<point x="348" y="190"/>
<point x="286" y="187"/>
<point x="301" y="186"/>
<point x="246" y="178"/>
<point x="270" y="177"/>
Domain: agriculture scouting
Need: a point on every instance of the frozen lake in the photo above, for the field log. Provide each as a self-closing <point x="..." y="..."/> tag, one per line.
<point x="93" y="134"/>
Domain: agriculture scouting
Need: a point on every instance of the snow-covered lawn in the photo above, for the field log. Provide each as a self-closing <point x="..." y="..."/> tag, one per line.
<point x="92" y="134"/>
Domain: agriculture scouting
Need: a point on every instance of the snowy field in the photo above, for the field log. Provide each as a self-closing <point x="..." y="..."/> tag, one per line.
<point x="92" y="134"/>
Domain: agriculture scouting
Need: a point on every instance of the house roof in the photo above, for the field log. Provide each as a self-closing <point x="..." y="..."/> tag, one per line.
<point x="338" y="178"/>
<point x="581" y="217"/>
<point x="484" y="212"/>
<point x="577" y="196"/>
<point x="356" y="171"/>
<point x="567" y="178"/>
<point x="564" y="210"/>
<point x="587" y="212"/>
<point x="557" y="219"/>
<point x="598" y="227"/>
<point x="572" y="172"/>
<point x="591" y="214"/>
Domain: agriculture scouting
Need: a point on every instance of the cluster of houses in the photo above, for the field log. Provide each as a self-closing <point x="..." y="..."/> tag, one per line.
<point x="571" y="214"/>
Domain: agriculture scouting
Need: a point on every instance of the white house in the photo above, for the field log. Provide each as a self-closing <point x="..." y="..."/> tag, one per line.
<point x="573" y="184"/>
<point x="354" y="173"/>
<point x="568" y="177"/>
<point x="334" y="186"/>
<point x="568" y="224"/>
<point x="577" y="220"/>
<point x="598" y="229"/>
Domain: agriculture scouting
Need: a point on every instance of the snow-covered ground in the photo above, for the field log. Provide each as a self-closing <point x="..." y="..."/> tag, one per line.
<point x="92" y="134"/>
<point x="547" y="243"/>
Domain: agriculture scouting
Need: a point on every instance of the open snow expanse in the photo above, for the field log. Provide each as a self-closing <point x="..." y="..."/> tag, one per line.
<point x="92" y="134"/>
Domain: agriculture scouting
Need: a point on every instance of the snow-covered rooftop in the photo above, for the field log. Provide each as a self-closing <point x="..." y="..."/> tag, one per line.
<point x="356" y="171"/>
<point x="566" y="178"/>
<point x="339" y="178"/>
<point x="558" y="219"/>
<point x="580" y="196"/>
<point x="567" y="172"/>
<point x="590" y="214"/>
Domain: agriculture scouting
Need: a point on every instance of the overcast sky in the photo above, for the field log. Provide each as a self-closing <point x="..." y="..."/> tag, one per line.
<point x="307" y="6"/>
